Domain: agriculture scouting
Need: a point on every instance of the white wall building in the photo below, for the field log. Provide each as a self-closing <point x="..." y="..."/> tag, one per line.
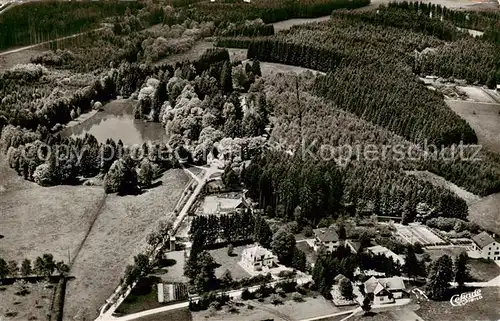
<point x="487" y="247"/>
<point x="258" y="258"/>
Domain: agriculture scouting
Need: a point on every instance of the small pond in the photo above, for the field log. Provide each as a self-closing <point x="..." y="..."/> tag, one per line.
<point x="116" y="121"/>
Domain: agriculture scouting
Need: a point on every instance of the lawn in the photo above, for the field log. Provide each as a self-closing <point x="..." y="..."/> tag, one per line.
<point x="38" y="220"/>
<point x="144" y="296"/>
<point x="486" y="308"/>
<point x="483" y="270"/>
<point x="310" y="307"/>
<point x="244" y="313"/>
<point x="450" y="251"/>
<point x="33" y="306"/>
<point x="182" y="314"/>
<point x="117" y="235"/>
<point x="229" y="262"/>
<point x="486" y="212"/>
<point x="175" y="272"/>
<point x="484" y="118"/>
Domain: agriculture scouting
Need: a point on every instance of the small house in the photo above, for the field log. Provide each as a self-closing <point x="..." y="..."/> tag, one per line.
<point x="385" y="290"/>
<point x="327" y="238"/>
<point x="258" y="258"/>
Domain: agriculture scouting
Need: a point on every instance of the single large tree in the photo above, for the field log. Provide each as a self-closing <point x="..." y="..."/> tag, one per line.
<point x="461" y="270"/>
<point x="346" y="289"/>
<point x="412" y="265"/>
<point x="440" y="276"/>
<point x="26" y="267"/>
<point x="283" y="245"/>
<point x="262" y="232"/>
<point x="4" y="268"/>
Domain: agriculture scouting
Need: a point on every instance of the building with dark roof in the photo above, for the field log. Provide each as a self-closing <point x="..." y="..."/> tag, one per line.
<point x="327" y="238"/>
<point x="487" y="246"/>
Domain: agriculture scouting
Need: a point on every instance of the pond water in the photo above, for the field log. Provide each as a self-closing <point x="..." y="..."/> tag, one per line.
<point x="116" y="121"/>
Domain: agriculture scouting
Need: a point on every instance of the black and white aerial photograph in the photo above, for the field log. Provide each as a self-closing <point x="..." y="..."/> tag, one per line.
<point x="249" y="160"/>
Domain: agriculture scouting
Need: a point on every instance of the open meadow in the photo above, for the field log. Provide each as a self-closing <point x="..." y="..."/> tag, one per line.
<point x="38" y="220"/>
<point x="116" y="236"/>
<point x="486" y="308"/>
<point x="484" y="118"/>
<point x="486" y="212"/>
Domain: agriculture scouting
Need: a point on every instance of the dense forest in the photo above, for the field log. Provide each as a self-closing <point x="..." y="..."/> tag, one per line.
<point x="297" y="172"/>
<point x="36" y="22"/>
<point x="269" y="11"/>
<point x="396" y="43"/>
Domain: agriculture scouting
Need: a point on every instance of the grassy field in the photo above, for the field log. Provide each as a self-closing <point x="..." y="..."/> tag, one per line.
<point x="486" y="308"/>
<point x="309" y="308"/>
<point x="229" y="262"/>
<point x="244" y="313"/>
<point x="451" y="251"/>
<point x="484" y="118"/>
<point x="38" y="220"/>
<point x="33" y="306"/>
<point x="486" y="212"/>
<point x="116" y="236"/>
<point x="175" y="315"/>
<point x="483" y="270"/>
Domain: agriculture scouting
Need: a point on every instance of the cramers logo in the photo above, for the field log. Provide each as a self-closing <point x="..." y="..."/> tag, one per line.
<point x="459" y="300"/>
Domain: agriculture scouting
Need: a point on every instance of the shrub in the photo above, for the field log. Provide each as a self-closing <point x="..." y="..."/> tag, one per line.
<point x="246" y="294"/>
<point x="297" y="297"/>
<point x="275" y="299"/>
<point x="308" y="231"/>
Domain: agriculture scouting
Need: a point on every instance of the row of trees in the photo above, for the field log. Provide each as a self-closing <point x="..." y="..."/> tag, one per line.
<point x="42" y="266"/>
<point x="443" y="271"/>
<point x="269" y="11"/>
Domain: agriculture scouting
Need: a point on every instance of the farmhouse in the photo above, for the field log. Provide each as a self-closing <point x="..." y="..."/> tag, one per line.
<point x="486" y="245"/>
<point x="258" y="258"/>
<point x="327" y="238"/>
<point x="377" y="249"/>
<point x="385" y="290"/>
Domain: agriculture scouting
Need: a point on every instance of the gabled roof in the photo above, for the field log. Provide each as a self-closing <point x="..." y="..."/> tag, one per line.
<point x="258" y="253"/>
<point x="326" y="234"/>
<point x="483" y="239"/>
<point x="354" y="244"/>
<point x="375" y="286"/>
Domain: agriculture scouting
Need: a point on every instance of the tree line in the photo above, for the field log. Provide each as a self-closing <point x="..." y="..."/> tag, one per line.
<point x="269" y="11"/>
<point x="44" y="265"/>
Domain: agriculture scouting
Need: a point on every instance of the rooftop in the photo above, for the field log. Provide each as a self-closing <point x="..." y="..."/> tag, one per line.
<point x="483" y="239"/>
<point x="374" y="285"/>
<point x="377" y="249"/>
<point x="257" y="253"/>
<point x="326" y="234"/>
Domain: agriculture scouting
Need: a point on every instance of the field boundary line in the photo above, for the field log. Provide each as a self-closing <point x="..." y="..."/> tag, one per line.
<point x="95" y="215"/>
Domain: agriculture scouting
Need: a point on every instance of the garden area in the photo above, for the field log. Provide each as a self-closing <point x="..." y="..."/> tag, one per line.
<point x="25" y="301"/>
<point x="229" y="262"/>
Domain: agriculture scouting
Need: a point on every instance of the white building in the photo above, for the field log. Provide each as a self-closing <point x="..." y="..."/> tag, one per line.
<point x="377" y="249"/>
<point x="327" y="238"/>
<point x="258" y="258"/>
<point x="385" y="290"/>
<point x="487" y="247"/>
